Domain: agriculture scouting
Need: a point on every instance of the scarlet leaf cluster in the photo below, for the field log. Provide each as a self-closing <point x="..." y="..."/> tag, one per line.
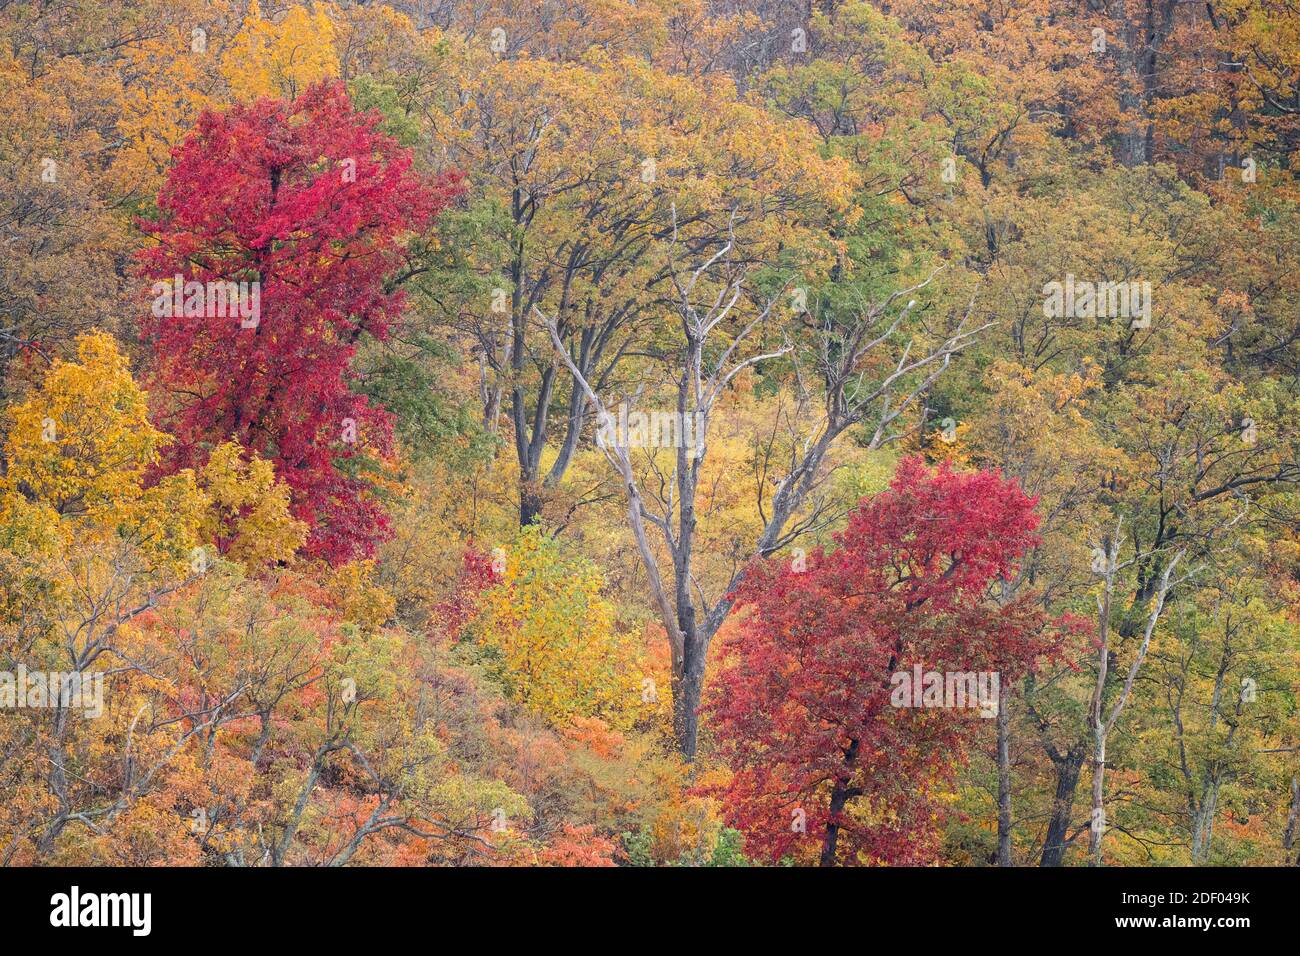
<point x="802" y="709"/>
<point x="310" y="201"/>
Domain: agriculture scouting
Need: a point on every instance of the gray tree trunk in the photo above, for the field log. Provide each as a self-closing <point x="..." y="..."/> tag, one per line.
<point x="1004" y="784"/>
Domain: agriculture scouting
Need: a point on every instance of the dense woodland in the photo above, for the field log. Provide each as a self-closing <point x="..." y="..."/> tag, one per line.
<point x="601" y="402"/>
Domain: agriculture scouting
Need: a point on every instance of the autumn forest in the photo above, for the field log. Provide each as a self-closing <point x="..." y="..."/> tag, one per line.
<point x="672" y="433"/>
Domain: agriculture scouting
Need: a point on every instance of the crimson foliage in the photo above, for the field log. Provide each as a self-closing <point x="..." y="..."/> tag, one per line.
<point x="311" y="202"/>
<point x="823" y="764"/>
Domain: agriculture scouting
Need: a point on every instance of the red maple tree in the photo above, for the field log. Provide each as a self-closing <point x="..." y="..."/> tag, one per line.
<point x="309" y="201"/>
<point x="475" y="576"/>
<point x="823" y="764"/>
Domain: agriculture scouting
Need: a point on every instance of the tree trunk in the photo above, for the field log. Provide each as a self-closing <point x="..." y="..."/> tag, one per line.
<point x="530" y="502"/>
<point x="687" y="689"/>
<point x="1137" y="61"/>
<point x="1058" y="826"/>
<point x="1203" y="823"/>
<point x="573" y="433"/>
<point x="58" y="759"/>
<point x="840" y="796"/>
<point x="1292" y="819"/>
<point x="1097" y="823"/>
<point x="1004" y="785"/>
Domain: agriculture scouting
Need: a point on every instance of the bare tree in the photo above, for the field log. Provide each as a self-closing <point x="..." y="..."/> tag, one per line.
<point x="1292" y="818"/>
<point x="1004" y="781"/>
<point x="709" y="297"/>
<point x="1103" y="722"/>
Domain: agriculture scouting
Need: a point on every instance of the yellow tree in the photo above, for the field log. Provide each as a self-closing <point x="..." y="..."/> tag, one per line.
<point x="554" y="638"/>
<point x="78" y="452"/>
<point x="168" y="79"/>
<point x="248" y="516"/>
<point x="280" y="58"/>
